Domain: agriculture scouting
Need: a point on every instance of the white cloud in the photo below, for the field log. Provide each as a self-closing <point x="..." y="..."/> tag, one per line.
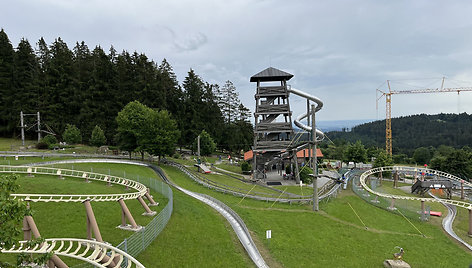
<point x="338" y="50"/>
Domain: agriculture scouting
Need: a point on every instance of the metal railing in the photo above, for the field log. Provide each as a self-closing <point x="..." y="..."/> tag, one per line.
<point x="140" y="240"/>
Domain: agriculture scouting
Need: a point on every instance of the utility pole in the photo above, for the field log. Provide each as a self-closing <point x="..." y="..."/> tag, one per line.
<point x="308" y="123"/>
<point x="22" y="129"/>
<point x="315" y="159"/>
<point x="198" y="145"/>
<point x="39" y="128"/>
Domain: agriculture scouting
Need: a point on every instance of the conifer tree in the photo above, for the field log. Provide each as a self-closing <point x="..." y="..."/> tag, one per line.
<point x="7" y="118"/>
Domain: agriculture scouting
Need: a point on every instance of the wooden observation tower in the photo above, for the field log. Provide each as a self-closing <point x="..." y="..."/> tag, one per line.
<point x="273" y="119"/>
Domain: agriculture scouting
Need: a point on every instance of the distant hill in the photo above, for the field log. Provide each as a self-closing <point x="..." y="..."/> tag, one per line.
<point x="340" y="125"/>
<point x="411" y="132"/>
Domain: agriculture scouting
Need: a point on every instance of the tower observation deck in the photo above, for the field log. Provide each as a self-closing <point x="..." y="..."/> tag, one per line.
<point x="272" y="118"/>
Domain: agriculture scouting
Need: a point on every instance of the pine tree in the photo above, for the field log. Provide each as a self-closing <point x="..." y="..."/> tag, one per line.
<point x="7" y="118"/>
<point x="228" y="101"/>
<point x="26" y="79"/>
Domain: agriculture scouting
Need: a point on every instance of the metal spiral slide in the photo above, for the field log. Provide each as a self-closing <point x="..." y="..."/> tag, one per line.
<point x="319" y="105"/>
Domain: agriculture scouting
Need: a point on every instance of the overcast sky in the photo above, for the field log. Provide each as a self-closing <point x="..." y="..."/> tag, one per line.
<point x="339" y="51"/>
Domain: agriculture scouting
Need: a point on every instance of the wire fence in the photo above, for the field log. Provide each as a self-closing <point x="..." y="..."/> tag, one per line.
<point x="409" y="208"/>
<point x="139" y="241"/>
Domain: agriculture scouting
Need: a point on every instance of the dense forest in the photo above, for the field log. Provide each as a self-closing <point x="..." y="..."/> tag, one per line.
<point x="411" y="132"/>
<point x="88" y="87"/>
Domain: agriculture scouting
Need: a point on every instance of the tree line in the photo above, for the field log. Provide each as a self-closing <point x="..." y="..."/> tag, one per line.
<point x="411" y="132"/>
<point x="89" y="87"/>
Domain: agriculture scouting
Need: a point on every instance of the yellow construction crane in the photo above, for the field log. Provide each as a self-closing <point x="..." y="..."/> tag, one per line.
<point x="388" y="103"/>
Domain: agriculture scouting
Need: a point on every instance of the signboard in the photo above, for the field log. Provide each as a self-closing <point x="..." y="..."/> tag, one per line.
<point x="269" y="234"/>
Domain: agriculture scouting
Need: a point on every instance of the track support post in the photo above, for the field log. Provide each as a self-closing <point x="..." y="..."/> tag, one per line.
<point x="423" y="212"/>
<point x="152" y="203"/>
<point x="470" y="223"/>
<point x="126" y="215"/>
<point x="462" y="189"/>
<point x="148" y="212"/>
<point x="392" y="205"/>
<point x="92" y="225"/>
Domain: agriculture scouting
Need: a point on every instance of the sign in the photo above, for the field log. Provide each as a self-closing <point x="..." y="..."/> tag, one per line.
<point x="269" y="234"/>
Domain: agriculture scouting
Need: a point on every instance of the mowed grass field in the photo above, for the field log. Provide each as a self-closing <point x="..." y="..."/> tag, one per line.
<point x="197" y="236"/>
<point x="56" y="220"/>
<point x="335" y="237"/>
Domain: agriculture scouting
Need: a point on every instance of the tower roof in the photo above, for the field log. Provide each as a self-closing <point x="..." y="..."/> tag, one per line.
<point x="271" y="74"/>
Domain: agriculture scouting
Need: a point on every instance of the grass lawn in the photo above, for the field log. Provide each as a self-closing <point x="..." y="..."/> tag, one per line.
<point x="233" y="168"/>
<point x="7" y="144"/>
<point x="304" y="190"/>
<point x="55" y="220"/>
<point x="335" y="237"/>
<point x="196" y="236"/>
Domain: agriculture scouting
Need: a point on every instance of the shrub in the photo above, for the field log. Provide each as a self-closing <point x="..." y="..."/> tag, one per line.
<point x="49" y="139"/>
<point x="72" y="134"/>
<point x="176" y="155"/>
<point x="98" y="137"/>
<point x="245" y="166"/>
<point x="305" y="175"/>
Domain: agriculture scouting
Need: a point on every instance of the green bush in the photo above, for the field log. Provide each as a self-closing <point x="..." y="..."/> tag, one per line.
<point x="49" y="139"/>
<point x="72" y="134"/>
<point x="245" y="166"/>
<point x="176" y="155"/>
<point x="98" y="137"/>
<point x="305" y="175"/>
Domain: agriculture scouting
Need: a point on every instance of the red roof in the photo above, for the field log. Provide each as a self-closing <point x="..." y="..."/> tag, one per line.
<point x="304" y="153"/>
<point x="300" y="154"/>
<point x="248" y="155"/>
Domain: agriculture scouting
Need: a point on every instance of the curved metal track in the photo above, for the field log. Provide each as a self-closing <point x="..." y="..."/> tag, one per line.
<point x="448" y="220"/>
<point x="366" y="174"/>
<point x="232" y="217"/>
<point x="140" y="188"/>
<point x="92" y="252"/>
